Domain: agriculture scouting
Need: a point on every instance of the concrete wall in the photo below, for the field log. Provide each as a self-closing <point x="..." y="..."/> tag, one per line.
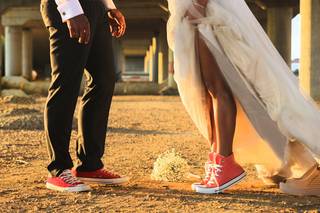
<point x="41" y="56"/>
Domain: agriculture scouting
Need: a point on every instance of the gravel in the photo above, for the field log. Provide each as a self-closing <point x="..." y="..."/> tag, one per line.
<point x="140" y="129"/>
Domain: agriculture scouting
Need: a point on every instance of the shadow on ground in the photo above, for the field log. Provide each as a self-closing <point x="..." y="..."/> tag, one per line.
<point x="259" y="199"/>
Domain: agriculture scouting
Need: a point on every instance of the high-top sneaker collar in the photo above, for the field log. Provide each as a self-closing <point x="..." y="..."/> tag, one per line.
<point x="220" y="159"/>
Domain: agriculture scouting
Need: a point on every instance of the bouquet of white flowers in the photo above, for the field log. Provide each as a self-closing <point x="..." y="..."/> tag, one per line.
<point x="170" y="166"/>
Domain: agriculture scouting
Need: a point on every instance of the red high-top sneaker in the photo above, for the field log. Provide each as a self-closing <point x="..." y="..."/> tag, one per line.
<point x="100" y="176"/>
<point x="225" y="174"/>
<point x="208" y="170"/>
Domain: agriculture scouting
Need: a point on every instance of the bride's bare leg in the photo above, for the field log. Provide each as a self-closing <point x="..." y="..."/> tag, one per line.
<point x="211" y="124"/>
<point x="225" y="171"/>
<point x="224" y="105"/>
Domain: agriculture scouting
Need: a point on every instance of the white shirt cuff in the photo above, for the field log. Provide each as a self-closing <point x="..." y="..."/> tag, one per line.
<point x="69" y="9"/>
<point x="109" y="4"/>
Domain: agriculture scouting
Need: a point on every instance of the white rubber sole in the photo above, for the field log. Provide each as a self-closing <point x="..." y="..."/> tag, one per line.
<point x="206" y="190"/>
<point x="80" y="188"/>
<point x="195" y="185"/>
<point x="116" y="181"/>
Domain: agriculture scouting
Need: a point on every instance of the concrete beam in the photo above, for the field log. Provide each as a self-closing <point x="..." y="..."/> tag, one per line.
<point x="21" y="16"/>
<point x="144" y="9"/>
<point x="134" y="52"/>
<point x="5" y="4"/>
<point x="274" y="3"/>
<point x="279" y="30"/>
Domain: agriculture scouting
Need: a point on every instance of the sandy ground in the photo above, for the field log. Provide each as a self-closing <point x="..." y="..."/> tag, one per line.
<point x="140" y="129"/>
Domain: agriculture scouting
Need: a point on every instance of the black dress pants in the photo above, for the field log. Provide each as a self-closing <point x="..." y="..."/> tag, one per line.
<point x="69" y="59"/>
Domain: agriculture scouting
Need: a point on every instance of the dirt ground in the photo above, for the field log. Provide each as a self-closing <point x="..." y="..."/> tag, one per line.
<point x="140" y="128"/>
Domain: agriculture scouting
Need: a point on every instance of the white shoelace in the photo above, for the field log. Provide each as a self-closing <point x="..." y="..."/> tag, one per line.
<point x="216" y="169"/>
<point x="207" y="168"/>
<point x="69" y="178"/>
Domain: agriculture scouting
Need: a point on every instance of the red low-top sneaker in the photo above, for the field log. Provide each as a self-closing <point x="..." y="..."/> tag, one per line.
<point x="208" y="170"/>
<point x="66" y="182"/>
<point x="100" y="176"/>
<point x="226" y="173"/>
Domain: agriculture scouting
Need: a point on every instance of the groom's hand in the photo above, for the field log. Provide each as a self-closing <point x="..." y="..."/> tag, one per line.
<point x="79" y="28"/>
<point x="117" y="23"/>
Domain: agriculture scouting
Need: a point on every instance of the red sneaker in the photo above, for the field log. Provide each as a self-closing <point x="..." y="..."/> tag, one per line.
<point x="208" y="170"/>
<point x="226" y="173"/>
<point x="100" y="176"/>
<point x="65" y="182"/>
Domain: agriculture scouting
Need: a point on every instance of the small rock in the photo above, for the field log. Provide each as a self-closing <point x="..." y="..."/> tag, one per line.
<point x="26" y="122"/>
<point x="18" y="100"/>
<point x="20" y="111"/>
<point x="13" y="92"/>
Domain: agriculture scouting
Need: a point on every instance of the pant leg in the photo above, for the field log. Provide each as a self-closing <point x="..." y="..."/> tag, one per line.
<point x="96" y="101"/>
<point x="68" y="59"/>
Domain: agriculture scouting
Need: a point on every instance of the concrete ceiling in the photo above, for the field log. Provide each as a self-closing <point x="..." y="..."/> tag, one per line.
<point x="275" y="3"/>
<point x="142" y="9"/>
<point x="146" y="7"/>
<point x="146" y="18"/>
<point x="4" y="4"/>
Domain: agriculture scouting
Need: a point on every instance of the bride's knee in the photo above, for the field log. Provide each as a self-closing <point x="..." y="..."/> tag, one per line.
<point x="211" y="87"/>
<point x="219" y="91"/>
<point x="226" y="98"/>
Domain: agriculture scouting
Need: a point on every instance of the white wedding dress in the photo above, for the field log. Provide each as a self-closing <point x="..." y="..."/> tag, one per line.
<point x="287" y="122"/>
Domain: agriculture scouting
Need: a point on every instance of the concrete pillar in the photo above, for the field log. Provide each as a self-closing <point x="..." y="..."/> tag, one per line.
<point x="279" y="30"/>
<point x="122" y="61"/>
<point x="310" y="48"/>
<point x="154" y="59"/>
<point x="27" y="54"/>
<point x="1" y="55"/>
<point x="155" y="56"/>
<point x="13" y="53"/>
<point x="115" y="46"/>
<point x="1" y="58"/>
<point x="171" y="81"/>
<point x="160" y="67"/>
<point x="163" y="57"/>
<point x="119" y="57"/>
<point x="151" y="59"/>
<point x="146" y="62"/>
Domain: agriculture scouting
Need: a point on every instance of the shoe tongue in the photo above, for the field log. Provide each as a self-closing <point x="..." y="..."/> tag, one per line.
<point x="212" y="156"/>
<point x="66" y="172"/>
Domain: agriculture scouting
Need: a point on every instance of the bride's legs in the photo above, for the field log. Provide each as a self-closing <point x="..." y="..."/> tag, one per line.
<point x="224" y="105"/>
<point x="223" y="171"/>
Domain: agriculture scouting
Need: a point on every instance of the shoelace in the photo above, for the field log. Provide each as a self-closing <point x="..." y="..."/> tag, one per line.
<point x="67" y="177"/>
<point x="208" y="170"/>
<point x="216" y="169"/>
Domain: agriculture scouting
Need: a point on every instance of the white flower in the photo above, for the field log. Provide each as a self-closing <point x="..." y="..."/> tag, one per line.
<point x="170" y="166"/>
